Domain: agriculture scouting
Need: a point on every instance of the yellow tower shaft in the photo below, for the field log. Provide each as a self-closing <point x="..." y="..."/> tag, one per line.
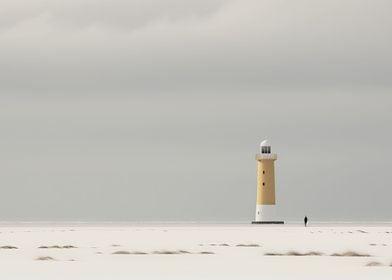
<point x="265" y="180"/>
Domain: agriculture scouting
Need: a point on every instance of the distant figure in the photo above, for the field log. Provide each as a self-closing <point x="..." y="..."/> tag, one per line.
<point x="306" y="221"/>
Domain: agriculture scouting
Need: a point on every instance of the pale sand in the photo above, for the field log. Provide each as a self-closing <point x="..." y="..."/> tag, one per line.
<point x="194" y="252"/>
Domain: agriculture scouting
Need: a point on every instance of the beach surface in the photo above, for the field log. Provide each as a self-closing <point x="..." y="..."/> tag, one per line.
<point x="235" y="251"/>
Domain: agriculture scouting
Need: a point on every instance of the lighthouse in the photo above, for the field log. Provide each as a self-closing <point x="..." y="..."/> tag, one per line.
<point x="265" y="193"/>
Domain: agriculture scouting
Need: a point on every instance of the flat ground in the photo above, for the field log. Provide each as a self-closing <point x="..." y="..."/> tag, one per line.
<point x="195" y="252"/>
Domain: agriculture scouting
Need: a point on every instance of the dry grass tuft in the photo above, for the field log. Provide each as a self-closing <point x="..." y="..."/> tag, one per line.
<point x="129" y="253"/>
<point x="295" y="254"/>
<point x="315" y="253"/>
<point x="184" y="252"/>
<point x="350" y="254"/>
<point x="166" y="252"/>
<point x="374" y="264"/>
<point x="273" y="254"/>
<point x="45" y="258"/>
<point x="69" y="247"/>
<point x="139" y="253"/>
<point x="8" y="247"/>
<point x="247" y="245"/>
<point x="311" y="253"/>
<point x="121" y="253"/>
<point x="162" y="252"/>
<point x="57" y="247"/>
<point x="169" y="252"/>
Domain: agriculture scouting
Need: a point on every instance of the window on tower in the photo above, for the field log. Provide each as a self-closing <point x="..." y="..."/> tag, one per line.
<point x="266" y="149"/>
<point x="263" y="184"/>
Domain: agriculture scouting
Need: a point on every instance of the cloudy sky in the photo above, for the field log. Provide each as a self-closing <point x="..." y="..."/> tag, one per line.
<point x="151" y="110"/>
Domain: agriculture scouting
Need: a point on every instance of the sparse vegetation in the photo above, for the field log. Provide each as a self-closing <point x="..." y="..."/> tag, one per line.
<point x="8" y="247"/>
<point x="362" y="231"/>
<point x="311" y="253"/>
<point x="350" y="254"/>
<point x="184" y="252"/>
<point x="160" y="252"/>
<point x="167" y="252"/>
<point x="294" y="253"/>
<point x="68" y="247"/>
<point x="273" y="254"/>
<point x="121" y="253"/>
<point x="139" y="253"/>
<point x="57" y="247"/>
<point x="45" y="258"/>
<point x="374" y="264"/>
<point x="247" y="245"/>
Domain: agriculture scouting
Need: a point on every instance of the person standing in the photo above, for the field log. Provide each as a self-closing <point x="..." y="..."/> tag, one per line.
<point x="306" y="221"/>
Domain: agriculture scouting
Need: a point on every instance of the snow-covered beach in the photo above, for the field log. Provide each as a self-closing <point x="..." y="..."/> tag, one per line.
<point x="175" y="251"/>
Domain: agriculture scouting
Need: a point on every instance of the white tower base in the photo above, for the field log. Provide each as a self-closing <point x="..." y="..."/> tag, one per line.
<point x="266" y="214"/>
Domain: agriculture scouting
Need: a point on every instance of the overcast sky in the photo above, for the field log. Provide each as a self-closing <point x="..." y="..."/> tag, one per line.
<point x="151" y="110"/>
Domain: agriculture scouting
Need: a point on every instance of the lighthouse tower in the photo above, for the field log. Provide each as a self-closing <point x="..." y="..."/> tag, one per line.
<point x="265" y="195"/>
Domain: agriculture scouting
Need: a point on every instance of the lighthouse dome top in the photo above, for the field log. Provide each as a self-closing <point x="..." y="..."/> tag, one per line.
<point x="265" y="148"/>
<point x="264" y="143"/>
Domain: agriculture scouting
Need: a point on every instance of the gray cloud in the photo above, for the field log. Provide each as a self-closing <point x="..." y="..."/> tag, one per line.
<point x="120" y="13"/>
<point x="150" y="45"/>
